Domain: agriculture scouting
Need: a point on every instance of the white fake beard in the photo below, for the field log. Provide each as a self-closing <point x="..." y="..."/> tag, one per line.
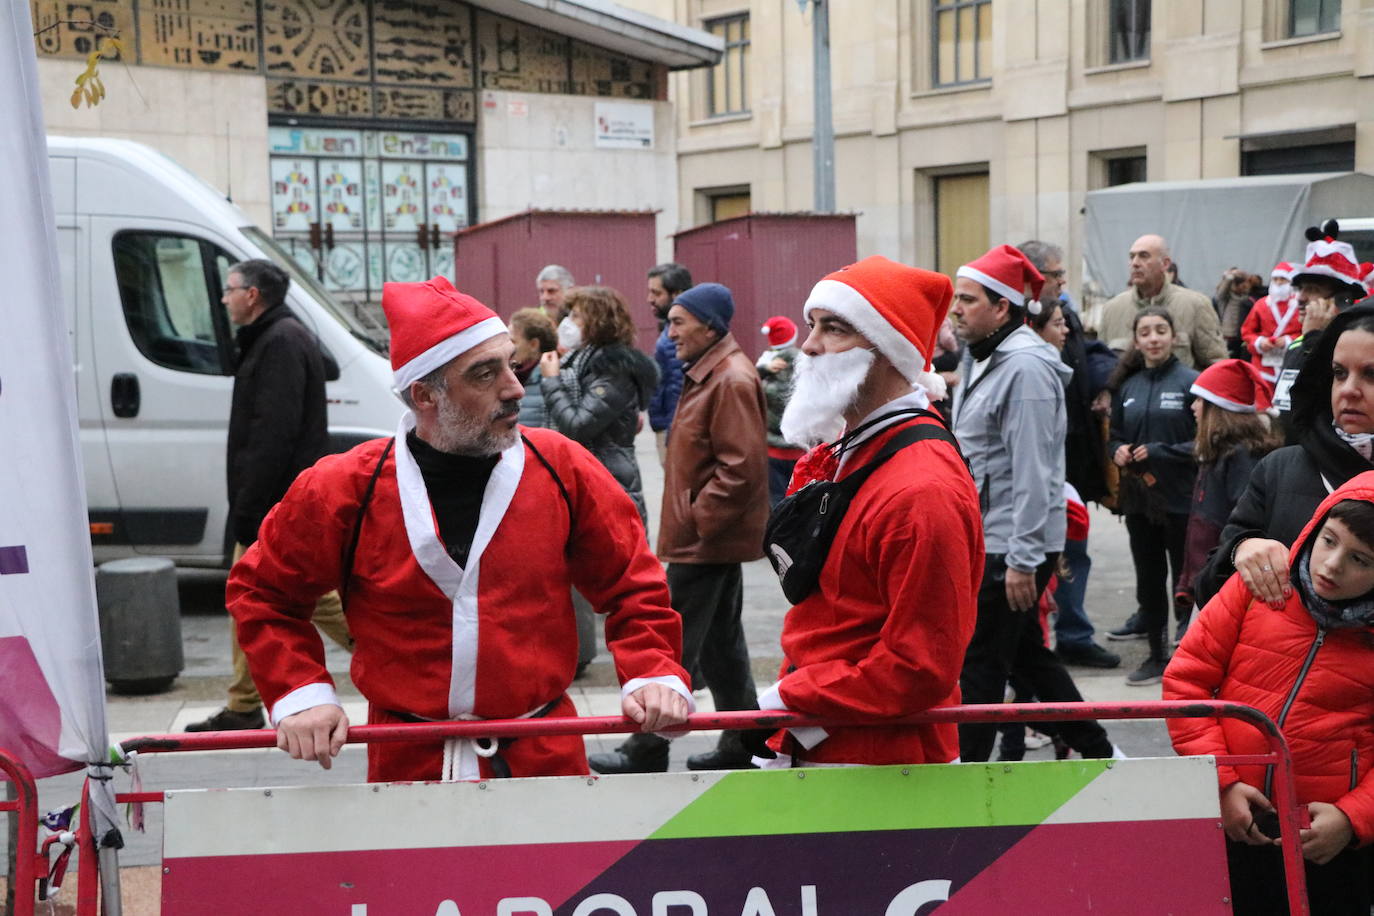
<point x="823" y="388"/>
<point x="459" y="433"/>
<point x="1280" y="292"/>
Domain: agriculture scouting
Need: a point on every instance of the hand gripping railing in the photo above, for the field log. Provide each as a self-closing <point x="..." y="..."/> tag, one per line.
<point x="1278" y="755"/>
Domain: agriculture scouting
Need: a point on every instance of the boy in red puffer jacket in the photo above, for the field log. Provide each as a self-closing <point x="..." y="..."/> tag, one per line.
<point x="1310" y="667"/>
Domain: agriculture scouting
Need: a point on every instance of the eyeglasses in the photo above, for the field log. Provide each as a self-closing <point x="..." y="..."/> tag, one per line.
<point x="1052" y="274"/>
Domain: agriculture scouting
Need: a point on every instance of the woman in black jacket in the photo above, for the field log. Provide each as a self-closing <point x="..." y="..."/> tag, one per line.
<point x="595" y="395"/>
<point x="1332" y="420"/>
<point x="1151" y="440"/>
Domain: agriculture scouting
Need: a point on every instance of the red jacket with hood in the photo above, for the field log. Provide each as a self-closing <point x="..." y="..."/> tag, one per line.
<point x="1318" y="685"/>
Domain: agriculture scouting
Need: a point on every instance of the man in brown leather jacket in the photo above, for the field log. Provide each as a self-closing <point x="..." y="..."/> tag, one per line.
<point x="715" y="506"/>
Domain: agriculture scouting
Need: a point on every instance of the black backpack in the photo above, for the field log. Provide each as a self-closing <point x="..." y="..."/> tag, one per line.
<point x="803" y="525"/>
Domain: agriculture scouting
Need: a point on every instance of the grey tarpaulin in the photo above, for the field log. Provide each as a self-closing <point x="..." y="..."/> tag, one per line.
<point x="1213" y="224"/>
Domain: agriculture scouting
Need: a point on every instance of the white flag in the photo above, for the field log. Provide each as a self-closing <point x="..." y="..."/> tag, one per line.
<point x="52" y="686"/>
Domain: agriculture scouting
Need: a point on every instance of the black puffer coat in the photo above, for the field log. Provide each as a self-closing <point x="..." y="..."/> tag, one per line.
<point x="1287" y="485"/>
<point x="596" y="399"/>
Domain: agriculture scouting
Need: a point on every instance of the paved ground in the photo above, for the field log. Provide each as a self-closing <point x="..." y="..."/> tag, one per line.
<point x="200" y="690"/>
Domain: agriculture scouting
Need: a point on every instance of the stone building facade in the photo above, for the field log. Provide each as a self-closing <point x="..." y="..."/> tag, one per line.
<point x="961" y="123"/>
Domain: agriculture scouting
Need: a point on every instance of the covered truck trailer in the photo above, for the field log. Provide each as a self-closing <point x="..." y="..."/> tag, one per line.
<point x="1213" y="224"/>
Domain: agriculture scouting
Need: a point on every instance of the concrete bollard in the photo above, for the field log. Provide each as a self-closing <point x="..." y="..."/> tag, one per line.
<point x="140" y="623"/>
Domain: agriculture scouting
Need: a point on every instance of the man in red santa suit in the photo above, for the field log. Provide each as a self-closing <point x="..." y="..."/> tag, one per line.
<point x="883" y="633"/>
<point x="1273" y="323"/>
<point x="455" y="545"/>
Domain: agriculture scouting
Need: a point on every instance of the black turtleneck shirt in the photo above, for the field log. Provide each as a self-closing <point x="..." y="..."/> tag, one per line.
<point x="455" y="484"/>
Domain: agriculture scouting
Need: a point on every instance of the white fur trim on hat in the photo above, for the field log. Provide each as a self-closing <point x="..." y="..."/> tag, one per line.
<point x="447" y="349"/>
<point x="848" y="303"/>
<point x="1223" y="403"/>
<point x="1014" y="296"/>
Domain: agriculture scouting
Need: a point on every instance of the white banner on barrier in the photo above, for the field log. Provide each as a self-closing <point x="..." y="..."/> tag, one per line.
<point x="816" y="842"/>
<point x="52" y="690"/>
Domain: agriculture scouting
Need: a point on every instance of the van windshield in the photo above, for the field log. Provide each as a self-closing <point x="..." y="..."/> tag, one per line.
<point x="366" y="330"/>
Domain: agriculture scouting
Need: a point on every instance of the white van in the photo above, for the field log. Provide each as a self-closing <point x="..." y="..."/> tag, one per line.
<point x="144" y="247"/>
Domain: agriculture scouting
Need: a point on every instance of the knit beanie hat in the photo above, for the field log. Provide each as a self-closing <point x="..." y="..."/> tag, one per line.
<point x="896" y="308"/>
<point x="712" y="305"/>
<point x="432" y="323"/>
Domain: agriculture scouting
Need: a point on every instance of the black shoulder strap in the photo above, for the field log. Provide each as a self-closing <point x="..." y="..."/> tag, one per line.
<point x="358" y="525"/>
<point x="567" y="500"/>
<point x="908" y="436"/>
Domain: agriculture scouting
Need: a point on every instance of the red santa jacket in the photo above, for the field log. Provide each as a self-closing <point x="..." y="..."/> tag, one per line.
<point x="1242" y="650"/>
<point x="1262" y="322"/>
<point x="497" y="639"/>
<point x="884" y="634"/>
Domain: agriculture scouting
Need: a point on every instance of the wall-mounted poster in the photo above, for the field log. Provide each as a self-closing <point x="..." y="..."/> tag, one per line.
<point x="448" y="203"/>
<point x="403" y="196"/>
<point x="341" y="194"/>
<point x="294" y="203"/>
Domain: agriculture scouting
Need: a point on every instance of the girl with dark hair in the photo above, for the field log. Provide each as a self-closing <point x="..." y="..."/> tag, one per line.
<point x="1151" y="440"/>
<point x="1309" y="665"/>
<point x="595" y="395"/>
<point x="1332" y="420"/>
<point x="1233" y="434"/>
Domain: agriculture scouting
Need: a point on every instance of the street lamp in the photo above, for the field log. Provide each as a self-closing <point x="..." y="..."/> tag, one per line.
<point x="823" y="133"/>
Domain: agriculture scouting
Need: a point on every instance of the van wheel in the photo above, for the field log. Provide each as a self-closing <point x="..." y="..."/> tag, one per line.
<point x="141" y="686"/>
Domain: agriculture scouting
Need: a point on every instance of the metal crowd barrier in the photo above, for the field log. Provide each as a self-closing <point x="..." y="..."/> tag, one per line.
<point x="32" y="865"/>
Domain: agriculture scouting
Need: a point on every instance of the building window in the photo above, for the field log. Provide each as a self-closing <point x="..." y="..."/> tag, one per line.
<point x="1109" y="168"/>
<point x="1126" y="170"/>
<point x="728" y="82"/>
<point x="961" y="40"/>
<point x="1313" y="17"/>
<point x="1326" y="149"/>
<point x="1128" y="31"/>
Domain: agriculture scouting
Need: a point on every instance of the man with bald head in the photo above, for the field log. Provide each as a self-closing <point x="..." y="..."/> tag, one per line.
<point x="1197" y="331"/>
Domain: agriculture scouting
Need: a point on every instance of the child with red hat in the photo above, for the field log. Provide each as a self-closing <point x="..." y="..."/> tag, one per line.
<point x="775" y="372"/>
<point x="1233" y="434"/>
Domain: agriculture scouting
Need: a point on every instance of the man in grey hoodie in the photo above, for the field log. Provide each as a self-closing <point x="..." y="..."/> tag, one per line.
<point x="1010" y="421"/>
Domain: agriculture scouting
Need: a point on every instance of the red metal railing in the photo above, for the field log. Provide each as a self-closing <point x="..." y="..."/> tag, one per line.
<point x="1278" y="756"/>
<point x="25" y="808"/>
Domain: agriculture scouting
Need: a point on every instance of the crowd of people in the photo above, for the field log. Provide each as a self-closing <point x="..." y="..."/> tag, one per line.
<point x="915" y="459"/>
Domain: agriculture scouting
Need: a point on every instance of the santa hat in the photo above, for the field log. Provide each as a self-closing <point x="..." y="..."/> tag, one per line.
<point x="896" y="307"/>
<point x="431" y="324"/>
<point x="1007" y="272"/>
<point x="1233" y="384"/>
<point x="781" y="331"/>
<point x="1283" y="269"/>
<point x="1331" y="259"/>
<point x="1367" y="277"/>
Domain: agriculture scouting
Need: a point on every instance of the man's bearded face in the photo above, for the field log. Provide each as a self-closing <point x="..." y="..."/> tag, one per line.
<point x="459" y="432"/>
<point x="824" y="387"/>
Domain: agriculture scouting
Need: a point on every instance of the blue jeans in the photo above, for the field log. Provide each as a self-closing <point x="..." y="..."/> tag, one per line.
<point x="1071" y="624"/>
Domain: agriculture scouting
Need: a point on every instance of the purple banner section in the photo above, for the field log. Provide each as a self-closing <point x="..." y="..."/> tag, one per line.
<point x="13" y="560"/>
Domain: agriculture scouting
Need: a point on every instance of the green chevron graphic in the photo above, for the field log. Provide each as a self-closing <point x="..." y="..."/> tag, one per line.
<point x="881" y="798"/>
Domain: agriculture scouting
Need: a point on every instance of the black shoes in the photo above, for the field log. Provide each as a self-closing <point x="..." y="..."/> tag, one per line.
<point x="618" y="761"/>
<point x="1151" y="671"/>
<point x="229" y="720"/>
<point x="719" y="760"/>
<point x="1133" y="628"/>
<point x="1091" y="656"/>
